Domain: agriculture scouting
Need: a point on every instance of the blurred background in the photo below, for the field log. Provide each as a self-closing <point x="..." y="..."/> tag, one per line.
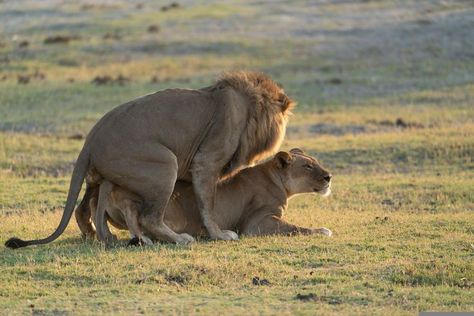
<point x="64" y="63"/>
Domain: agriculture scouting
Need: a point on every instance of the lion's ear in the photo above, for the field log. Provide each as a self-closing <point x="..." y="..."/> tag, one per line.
<point x="283" y="159"/>
<point x="286" y="103"/>
<point x="297" y="151"/>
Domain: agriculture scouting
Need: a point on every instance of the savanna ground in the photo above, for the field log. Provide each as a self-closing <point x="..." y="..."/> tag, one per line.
<point x="385" y="92"/>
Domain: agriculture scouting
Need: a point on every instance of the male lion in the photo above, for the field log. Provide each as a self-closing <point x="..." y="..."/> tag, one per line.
<point x="252" y="202"/>
<point x="200" y="136"/>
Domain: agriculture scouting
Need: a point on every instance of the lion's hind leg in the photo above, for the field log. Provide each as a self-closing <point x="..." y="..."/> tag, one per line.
<point x="152" y="176"/>
<point x="99" y="213"/>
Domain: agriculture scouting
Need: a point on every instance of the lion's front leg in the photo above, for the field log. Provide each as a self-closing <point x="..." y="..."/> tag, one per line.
<point x="204" y="185"/>
<point x="274" y="225"/>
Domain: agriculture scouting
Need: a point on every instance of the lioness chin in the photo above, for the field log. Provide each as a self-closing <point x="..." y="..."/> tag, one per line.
<point x="252" y="202"/>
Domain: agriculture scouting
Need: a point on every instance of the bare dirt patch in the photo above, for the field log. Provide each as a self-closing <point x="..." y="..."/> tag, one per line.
<point x="176" y="279"/>
<point x="112" y="36"/>
<point x="153" y="28"/>
<point x="106" y="80"/>
<point x="23" y="44"/>
<point x="399" y="122"/>
<point x="257" y="281"/>
<point x="307" y="297"/>
<point x="311" y="297"/>
<point x="27" y="78"/>
<point x="76" y="136"/>
<point x="23" y="79"/>
<point x="97" y="6"/>
<point x="60" y="39"/>
<point x="372" y="126"/>
<point x="171" y="6"/>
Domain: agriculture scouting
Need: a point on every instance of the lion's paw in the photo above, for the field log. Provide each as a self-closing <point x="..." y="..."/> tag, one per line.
<point x="184" y="239"/>
<point x="230" y="235"/>
<point x="146" y="241"/>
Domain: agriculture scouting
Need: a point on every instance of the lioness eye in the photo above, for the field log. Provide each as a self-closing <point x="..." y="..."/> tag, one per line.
<point x="309" y="167"/>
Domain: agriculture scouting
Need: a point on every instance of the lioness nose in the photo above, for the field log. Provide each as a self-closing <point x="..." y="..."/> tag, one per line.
<point x="328" y="177"/>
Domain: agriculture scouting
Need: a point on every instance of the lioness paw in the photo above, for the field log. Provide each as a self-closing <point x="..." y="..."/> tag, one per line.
<point x="324" y="231"/>
<point x="146" y="241"/>
<point x="230" y="235"/>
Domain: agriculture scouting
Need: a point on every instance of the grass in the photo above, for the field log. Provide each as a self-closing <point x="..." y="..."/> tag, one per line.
<point x="402" y="203"/>
<point x="382" y="258"/>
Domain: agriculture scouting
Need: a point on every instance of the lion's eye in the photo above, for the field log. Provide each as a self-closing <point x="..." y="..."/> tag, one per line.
<point x="308" y="167"/>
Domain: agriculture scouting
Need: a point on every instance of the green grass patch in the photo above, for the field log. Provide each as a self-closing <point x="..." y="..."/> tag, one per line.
<point x="385" y="103"/>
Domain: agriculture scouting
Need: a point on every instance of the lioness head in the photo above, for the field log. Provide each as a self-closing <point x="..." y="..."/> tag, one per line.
<point x="301" y="173"/>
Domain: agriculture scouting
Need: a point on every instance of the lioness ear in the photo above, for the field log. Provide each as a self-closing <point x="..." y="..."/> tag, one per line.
<point x="297" y="151"/>
<point x="283" y="159"/>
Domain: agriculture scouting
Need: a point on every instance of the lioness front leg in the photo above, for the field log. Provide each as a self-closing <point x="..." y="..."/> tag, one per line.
<point x="274" y="225"/>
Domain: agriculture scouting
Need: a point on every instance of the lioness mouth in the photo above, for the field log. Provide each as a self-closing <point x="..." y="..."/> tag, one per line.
<point x="324" y="191"/>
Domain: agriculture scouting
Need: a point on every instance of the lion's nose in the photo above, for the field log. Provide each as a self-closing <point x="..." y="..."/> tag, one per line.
<point x="328" y="177"/>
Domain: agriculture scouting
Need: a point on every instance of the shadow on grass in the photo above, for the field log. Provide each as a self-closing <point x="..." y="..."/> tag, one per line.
<point x="76" y="247"/>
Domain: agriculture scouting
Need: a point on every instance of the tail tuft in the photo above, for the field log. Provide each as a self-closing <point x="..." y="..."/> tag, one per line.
<point x="15" y="243"/>
<point x="135" y="241"/>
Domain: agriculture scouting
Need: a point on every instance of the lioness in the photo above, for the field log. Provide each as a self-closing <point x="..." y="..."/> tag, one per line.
<point x="252" y="202"/>
<point x="200" y="136"/>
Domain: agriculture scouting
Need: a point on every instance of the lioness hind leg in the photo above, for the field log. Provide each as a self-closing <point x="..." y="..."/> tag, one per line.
<point x="83" y="213"/>
<point x="131" y="212"/>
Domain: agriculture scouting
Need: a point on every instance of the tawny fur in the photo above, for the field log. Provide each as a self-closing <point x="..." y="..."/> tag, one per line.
<point x="201" y="136"/>
<point x="252" y="202"/>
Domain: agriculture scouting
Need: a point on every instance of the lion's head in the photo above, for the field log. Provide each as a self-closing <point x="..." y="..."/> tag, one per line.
<point x="301" y="173"/>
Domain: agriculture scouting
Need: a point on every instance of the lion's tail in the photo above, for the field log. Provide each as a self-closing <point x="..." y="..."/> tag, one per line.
<point x="77" y="179"/>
